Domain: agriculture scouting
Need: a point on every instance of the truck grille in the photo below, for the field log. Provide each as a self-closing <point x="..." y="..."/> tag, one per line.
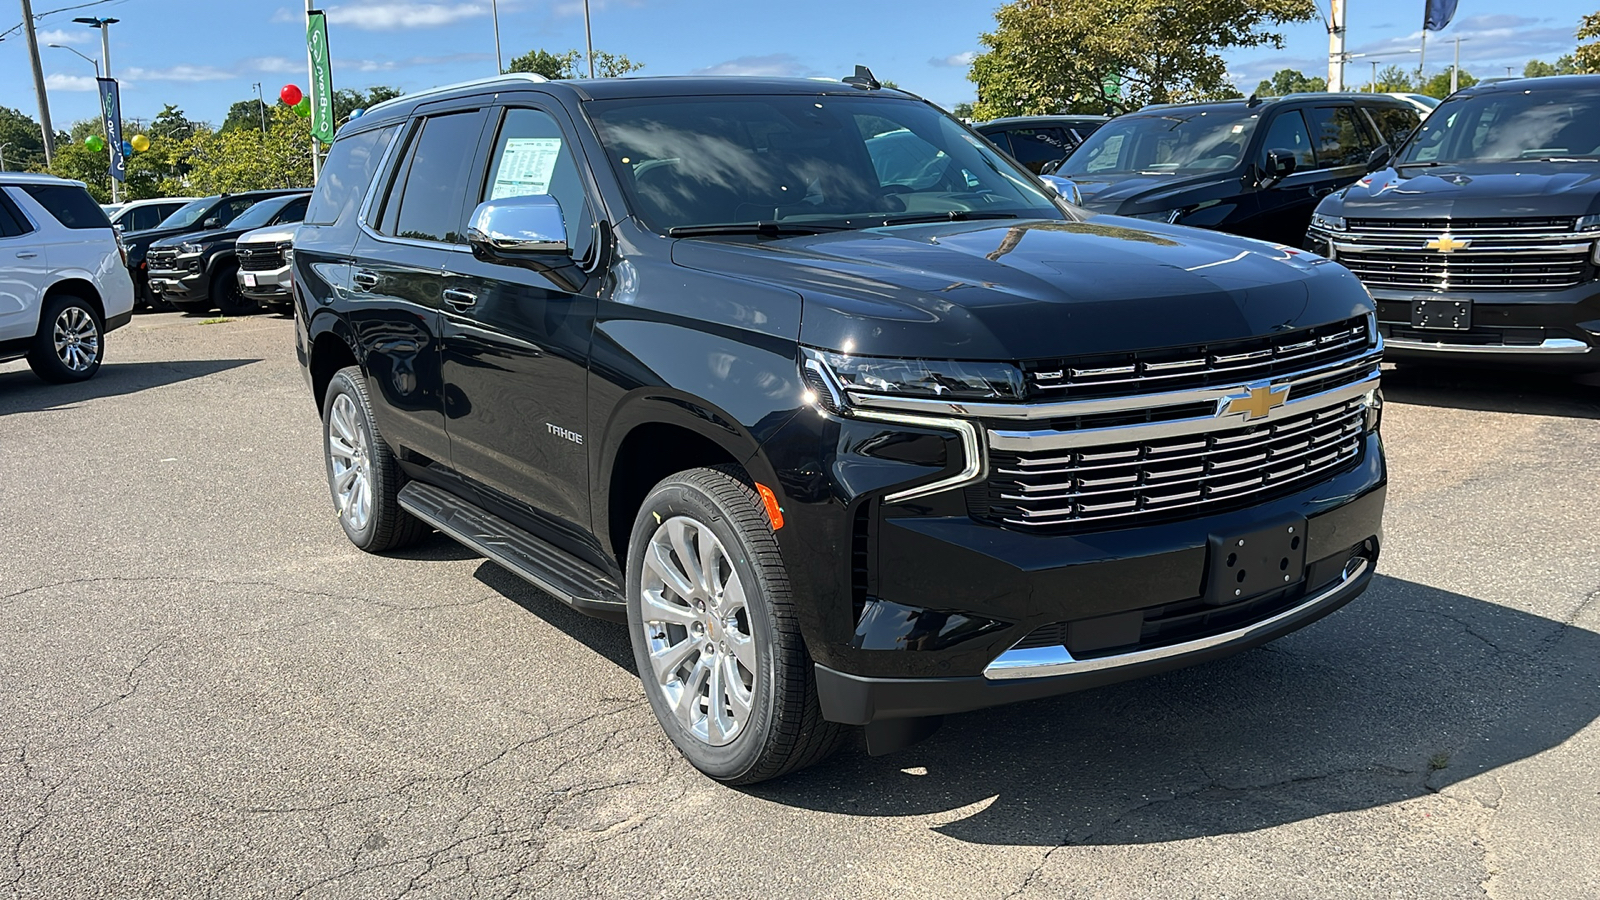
<point x="1173" y="477"/>
<point x="262" y="259"/>
<point x="1199" y="366"/>
<point x="1493" y="254"/>
<point x="165" y="258"/>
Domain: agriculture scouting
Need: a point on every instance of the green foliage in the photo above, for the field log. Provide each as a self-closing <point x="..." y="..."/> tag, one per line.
<point x="1587" y="56"/>
<point x="345" y="101"/>
<point x="244" y="159"/>
<point x="558" y="66"/>
<point x="245" y="114"/>
<point x="1290" y="81"/>
<point x="1050" y="56"/>
<point x="1396" y="80"/>
<point x="171" y="124"/>
<point x="21" y="131"/>
<point x="962" y="111"/>
<point x="1438" y="85"/>
<point x="1538" y="68"/>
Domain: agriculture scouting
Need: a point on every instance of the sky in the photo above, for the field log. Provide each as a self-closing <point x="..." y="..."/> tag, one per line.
<point x="203" y="55"/>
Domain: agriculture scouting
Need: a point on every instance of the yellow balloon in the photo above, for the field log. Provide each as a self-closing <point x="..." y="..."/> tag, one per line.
<point x="140" y="143"/>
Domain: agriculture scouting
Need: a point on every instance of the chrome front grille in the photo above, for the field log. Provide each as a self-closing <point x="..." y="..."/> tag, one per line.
<point x="1171" y="477"/>
<point x="1203" y="365"/>
<point x="263" y="259"/>
<point x="165" y="258"/>
<point x="1477" y="255"/>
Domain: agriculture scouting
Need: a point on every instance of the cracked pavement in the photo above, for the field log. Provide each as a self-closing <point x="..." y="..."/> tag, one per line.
<point x="209" y="692"/>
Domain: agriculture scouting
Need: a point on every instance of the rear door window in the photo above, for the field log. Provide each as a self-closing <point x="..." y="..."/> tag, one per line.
<point x="1341" y="138"/>
<point x="426" y="202"/>
<point x="347" y="174"/>
<point x="69" y="204"/>
<point x="1288" y="132"/>
<point x="144" y="217"/>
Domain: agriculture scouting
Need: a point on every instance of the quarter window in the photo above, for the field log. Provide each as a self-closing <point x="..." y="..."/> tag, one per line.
<point x="532" y="158"/>
<point x="12" y="222"/>
<point x="426" y="202"/>
<point x="1034" y="147"/>
<point x="1341" y="139"/>
<point x="71" y="205"/>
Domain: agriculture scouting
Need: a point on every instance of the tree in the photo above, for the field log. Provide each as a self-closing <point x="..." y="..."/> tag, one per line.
<point x="1395" y="80"/>
<point x="172" y="124"/>
<point x="1587" y="56"/>
<point x="1439" y="85"/>
<point x="1538" y="68"/>
<point x="246" y="160"/>
<point x="1049" y="56"/>
<point x="962" y="111"/>
<point x="346" y="101"/>
<point x="558" y="66"/>
<point x="245" y="114"/>
<point x="1290" y="81"/>
<point x="26" y="141"/>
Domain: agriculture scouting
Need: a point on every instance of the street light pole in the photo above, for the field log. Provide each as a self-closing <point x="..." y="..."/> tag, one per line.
<point x="1455" y="68"/>
<point x="45" y="128"/>
<point x="499" y="62"/>
<point x="588" y="38"/>
<point x="261" y="107"/>
<point x="91" y="61"/>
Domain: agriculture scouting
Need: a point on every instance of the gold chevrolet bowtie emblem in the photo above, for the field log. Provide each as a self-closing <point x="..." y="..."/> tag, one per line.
<point x="1444" y="243"/>
<point x="1261" y="400"/>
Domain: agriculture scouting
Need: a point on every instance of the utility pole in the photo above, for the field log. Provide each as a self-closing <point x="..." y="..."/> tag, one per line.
<point x="1336" y="57"/>
<point x="1455" y="68"/>
<point x="261" y="107"/>
<point x="311" y="75"/>
<point x="1373" y="84"/>
<point x="1422" y="59"/>
<point x="3" y="155"/>
<point x="588" y="37"/>
<point x="499" y="62"/>
<point x="45" y="127"/>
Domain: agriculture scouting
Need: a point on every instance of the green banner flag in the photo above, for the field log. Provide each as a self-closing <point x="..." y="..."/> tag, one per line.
<point x="322" y="124"/>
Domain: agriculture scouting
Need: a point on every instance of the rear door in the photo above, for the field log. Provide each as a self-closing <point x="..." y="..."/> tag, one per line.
<point x="1394" y="123"/>
<point x="397" y="278"/>
<point x="24" y="263"/>
<point x="1036" y="147"/>
<point x="516" y="344"/>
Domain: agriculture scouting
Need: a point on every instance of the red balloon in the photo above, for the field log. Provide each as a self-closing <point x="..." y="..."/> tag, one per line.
<point x="290" y="94"/>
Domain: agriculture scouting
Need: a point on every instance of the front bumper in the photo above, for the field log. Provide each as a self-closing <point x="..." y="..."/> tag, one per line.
<point x="183" y="285"/>
<point x="1556" y="330"/>
<point x="269" y="288"/>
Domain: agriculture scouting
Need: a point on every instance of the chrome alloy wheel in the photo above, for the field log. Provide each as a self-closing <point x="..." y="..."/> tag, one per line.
<point x="77" y="339"/>
<point x="697" y="629"/>
<point x="351" y="463"/>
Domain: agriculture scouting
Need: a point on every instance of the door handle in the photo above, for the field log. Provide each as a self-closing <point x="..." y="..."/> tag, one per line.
<point x="365" y="280"/>
<point x="460" y="299"/>
<point x="26" y="254"/>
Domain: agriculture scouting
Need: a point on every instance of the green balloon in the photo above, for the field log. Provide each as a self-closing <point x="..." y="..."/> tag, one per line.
<point x="95" y="142"/>
<point x="303" y="108"/>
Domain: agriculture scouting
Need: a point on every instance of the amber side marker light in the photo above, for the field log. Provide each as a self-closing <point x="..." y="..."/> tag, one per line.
<point x="770" y="500"/>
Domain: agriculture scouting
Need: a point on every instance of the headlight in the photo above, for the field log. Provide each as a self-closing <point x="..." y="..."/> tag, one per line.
<point x="188" y="249"/>
<point x="1165" y="215"/>
<point x="942" y="379"/>
<point x="1327" y="223"/>
<point x="1588" y="223"/>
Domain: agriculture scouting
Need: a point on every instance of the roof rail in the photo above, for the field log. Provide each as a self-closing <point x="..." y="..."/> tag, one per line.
<point x="476" y="82"/>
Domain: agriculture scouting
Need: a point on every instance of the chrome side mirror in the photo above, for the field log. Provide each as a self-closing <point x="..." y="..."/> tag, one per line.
<point x="513" y="228"/>
<point x="1066" y="188"/>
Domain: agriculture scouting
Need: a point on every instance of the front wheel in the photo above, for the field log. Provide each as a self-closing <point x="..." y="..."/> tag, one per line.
<point x="231" y="299"/>
<point x="715" y="635"/>
<point x="363" y="473"/>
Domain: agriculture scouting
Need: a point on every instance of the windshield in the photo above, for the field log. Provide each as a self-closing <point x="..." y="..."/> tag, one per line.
<point x="1177" y="141"/>
<point x="1505" y="125"/>
<point x="259" y="214"/>
<point x="188" y="214"/>
<point x="806" y="161"/>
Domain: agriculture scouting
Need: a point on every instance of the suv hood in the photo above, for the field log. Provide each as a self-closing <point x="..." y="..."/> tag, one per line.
<point x="1133" y="194"/>
<point x="199" y="237"/>
<point x="271" y="234"/>
<point x="1472" y="191"/>
<point x="1029" y="289"/>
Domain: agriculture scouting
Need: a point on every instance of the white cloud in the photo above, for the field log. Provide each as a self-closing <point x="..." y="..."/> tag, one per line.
<point x="175" y="73"/>
<point x="273" y="64"/>
<point x="56" y="81"/>
<point x="391" y="16"/>
<point x="771" y="64"/>
<point x="955" y="60"/>
<point x="576" y="8"/>
<point x="63" y="36"/>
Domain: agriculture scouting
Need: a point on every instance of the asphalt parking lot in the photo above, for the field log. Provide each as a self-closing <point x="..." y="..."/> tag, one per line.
<point x="209" y="692"/>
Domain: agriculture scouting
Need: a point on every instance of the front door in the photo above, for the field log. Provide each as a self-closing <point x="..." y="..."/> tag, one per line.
<point x="516" y="344"/>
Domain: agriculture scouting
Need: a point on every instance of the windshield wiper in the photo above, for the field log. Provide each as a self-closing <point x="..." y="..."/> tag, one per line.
<point x="954" y="215"/>
<point x="761" y="229"/>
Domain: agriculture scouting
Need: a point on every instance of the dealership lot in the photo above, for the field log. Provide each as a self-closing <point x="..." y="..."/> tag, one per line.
<point x="210" y="692"/>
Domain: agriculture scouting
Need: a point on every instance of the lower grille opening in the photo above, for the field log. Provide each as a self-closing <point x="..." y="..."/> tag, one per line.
<point x="859" y="548"/>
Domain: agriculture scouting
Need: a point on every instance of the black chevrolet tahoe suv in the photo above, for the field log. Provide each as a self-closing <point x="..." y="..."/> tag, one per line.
<point x="841" y="442"/>
<point x="205" y="214"/>
<point x="198" y="272"/>
<point x="1482" y="242"/>
<point x="1253" y="167"/>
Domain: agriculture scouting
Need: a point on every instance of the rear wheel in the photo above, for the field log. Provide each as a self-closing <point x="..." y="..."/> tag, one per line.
<point x="363" y="474"/>
<point x="715" y="635"/>
<point x="69" y="342"/>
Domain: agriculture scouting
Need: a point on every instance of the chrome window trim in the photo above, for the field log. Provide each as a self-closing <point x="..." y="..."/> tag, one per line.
<point x="1553" y="346"/>
<point x="1128" y="434"/>
<point x="1068" y="408"/>
<point x="976" y="462"/>
<point x="1043" y="662"/>
<point x="399" y="139"/>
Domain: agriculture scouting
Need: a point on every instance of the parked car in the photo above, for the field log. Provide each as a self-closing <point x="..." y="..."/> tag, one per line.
<point x="143" y="215"/>
<point x="1481" y="241"/>
<point x="839" y="451"/>
<point x="205" y="214"/>
<point x="63" y="281"/>
<point x="200" y="272"/>
<point x="1251" y="167"/>
<point x="1423" y="103"/>
<point x="264" y="258"/>
<point x="1040" y="141"/>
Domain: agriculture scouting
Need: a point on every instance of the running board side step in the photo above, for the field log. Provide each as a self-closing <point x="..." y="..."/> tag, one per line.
<point x="554" y="571"/>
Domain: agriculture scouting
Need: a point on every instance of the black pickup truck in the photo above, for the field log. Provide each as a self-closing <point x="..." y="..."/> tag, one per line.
<point x="844" y="441"/>
<point x="204" y="214"/>
<point x="199" y="272"/>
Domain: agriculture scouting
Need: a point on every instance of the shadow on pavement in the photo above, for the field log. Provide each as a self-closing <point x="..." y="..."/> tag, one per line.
<point x="609" y="639"/>
<point x="22" y="391"/>
<point x="1405" y="691"/>
<point x="1494" y="390"/>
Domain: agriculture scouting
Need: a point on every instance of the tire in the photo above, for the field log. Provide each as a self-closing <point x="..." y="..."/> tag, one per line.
<point x="732" y="634"/>
<point x="231" y="301"/>
<point x="70" y="342"/>
<point x="364" y="477"/>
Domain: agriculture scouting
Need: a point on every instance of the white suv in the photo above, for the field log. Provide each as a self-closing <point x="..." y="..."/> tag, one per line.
<point x="63" y="280"/>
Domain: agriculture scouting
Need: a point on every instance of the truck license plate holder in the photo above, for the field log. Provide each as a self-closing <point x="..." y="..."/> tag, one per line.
<point x="1441" y="313"/>
<point x="1244" y="566"/>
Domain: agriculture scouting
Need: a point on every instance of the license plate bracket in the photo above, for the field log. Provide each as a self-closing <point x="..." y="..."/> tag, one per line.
<point x="1441" y="313"/>
<point x="1242" y="566"/>
<point x="249" y="279"/>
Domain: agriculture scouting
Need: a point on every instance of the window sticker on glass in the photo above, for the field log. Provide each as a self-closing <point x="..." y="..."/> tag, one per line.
<point x="525" y="167"/>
